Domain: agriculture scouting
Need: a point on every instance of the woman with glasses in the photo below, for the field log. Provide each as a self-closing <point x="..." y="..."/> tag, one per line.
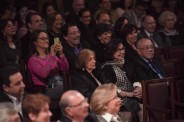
<point x="121" y="73"/>
<point x="106" y="104"/>
<point x="46" y="67"/>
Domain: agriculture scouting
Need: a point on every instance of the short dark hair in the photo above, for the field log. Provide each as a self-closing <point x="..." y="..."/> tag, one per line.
<point x="127" y="29"/>
<point x="6" y="72"/>
<point x="112" y="48"/>
<point x="102" y="28"/>
<point x="118" y="26"/>
<point x="29" y="16"/>
<point x="65" y="28"/>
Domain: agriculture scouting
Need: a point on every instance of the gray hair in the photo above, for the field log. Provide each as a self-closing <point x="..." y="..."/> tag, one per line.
<point x="6" y="109"/>
<point x="163" y="16"/>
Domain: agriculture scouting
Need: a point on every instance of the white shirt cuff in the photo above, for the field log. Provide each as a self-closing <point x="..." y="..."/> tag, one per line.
<point x="136" y="84"/>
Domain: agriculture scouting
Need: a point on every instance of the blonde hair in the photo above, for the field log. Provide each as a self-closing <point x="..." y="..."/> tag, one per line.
<point x="83" y="58"/>
<point x="163" y="16"/>
<point x="101" y="96"/>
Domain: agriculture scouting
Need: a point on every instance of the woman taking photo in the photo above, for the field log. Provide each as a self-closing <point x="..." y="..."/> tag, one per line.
<point x="121" y="72"/>
<point x="46" y="67"/>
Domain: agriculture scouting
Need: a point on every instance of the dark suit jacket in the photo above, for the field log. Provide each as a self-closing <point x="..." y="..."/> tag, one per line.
<point x="161" y="41"/>
<point x="85" y="83"/>
<point x="120" y="117"/>
<point x="144" y="71"/>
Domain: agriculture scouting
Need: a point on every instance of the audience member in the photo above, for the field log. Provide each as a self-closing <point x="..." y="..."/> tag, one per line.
<point x="147" y="67"/>
<point x="77" y="5"/>
<point x="71" y="44"/>
<point x="136" y="15"/>
<point x="119" y="25"/>
<point x="13" y="87"/>
<point x="9" y="45"/>
<point x="167" y="20"/>
<point x="105" y="5"/>
<point x="103" y="17"/>
<point x="8" y="113"/>
<point x="33" y="22"/>
<point x="124" y="5"/>
<point x="48" y="8"/>
<point x="106" y="104"/>
<point x="129" y="36"/>
<point x="84" y="79"/>
<point x="45" y="67"/>
<point x="103" y="36"/>
<point x="74" y="106"/>
<point x="121" y="72"/>
<point x="86" y="27"/>
<point x="21" y="19"/>
<point x="149" y="31"/>
<point x="35" y="108"/>
<point x="55" y="23"/>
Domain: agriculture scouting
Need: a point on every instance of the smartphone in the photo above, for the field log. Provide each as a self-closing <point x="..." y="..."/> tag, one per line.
<point x="57" y="41"/>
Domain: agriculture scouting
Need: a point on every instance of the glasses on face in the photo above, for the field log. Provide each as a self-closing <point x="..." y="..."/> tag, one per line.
<point x="74" y="33"/>
<point x="43" y="38"/>
<point x="147" y="47"/>
<point x="80" y="104"/>
<point x="121" y="49"/>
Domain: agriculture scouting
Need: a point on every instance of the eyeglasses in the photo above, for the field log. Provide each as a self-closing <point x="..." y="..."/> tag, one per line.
<point x="121" y="49"/>
<point x="80" y="104"/>
<point x="74" y="33"/>
<point x="43" y="38"/>
<point x="147" y="47"/>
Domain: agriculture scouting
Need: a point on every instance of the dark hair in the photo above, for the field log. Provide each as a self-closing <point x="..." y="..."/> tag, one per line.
<point x="45" y="5"/>
<point x="81" y="12"/>
<point x="51" y="20"/>
<point x="112" y="48"/>
<point x="122" y="4"/>
<point x="29" y="16"/>
<point x="101" y="28"/>
<point x="6" y="72"/>
<point x="118" y="26"/>
<point x="65" y="28"/>
<point x="99" y="13"/>
<point x="128" y="28"/>
<point x="33" y="37"/>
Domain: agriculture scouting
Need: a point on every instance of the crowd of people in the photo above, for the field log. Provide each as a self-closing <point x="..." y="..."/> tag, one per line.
<point x="106" y="48"/>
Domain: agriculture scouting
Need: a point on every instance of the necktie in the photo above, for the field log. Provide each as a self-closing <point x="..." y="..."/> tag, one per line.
<point x="155" y="68"/>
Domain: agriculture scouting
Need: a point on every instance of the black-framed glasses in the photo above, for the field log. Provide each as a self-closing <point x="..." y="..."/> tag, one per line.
<point x="80" y="104"/>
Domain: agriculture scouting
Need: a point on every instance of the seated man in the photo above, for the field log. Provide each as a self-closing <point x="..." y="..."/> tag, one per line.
<point x="13" y="87"/>
<point x="147" y="67"/>
<point x="74" y="107"/>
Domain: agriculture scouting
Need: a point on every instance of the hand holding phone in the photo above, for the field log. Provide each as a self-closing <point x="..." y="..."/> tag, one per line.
<point x="57" y="41"/>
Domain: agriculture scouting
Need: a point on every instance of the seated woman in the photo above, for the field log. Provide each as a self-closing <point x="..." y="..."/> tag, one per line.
<point x="106" y="104"/>
<point x="122" y="74"/>
<point x="46" y="67"/>
<point x="35" y="108"/>
<point x="84" y="79"/>
<point x="9" y="46"/>
<point x="167" y="20"/>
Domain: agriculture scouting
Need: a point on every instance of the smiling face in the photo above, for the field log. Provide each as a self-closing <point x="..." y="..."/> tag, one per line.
<point x="50" y="10"/>
<point x="58" y="22"/>
<point x="73" y="36"/>
<point x="120" y="53"/>
<point x="131" y="38"/>
<point x="42" y="41"/>
<point x="105" y="37"/>
<point x="86" y="18"/>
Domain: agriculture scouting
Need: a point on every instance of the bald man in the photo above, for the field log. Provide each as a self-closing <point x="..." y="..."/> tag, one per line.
<point x="73" y="106"/>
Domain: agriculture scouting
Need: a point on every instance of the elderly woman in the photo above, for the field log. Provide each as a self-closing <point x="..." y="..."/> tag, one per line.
<point x="35" y="108"/>
<point x="129" y="35"/>
<point x="106" y="104"/>
<point x="124" y="77"/>
<point x="167" y="20"/>
<point x="9" y="45"/>
<point x="84" y="79"/>
<point x="46" y="67"/>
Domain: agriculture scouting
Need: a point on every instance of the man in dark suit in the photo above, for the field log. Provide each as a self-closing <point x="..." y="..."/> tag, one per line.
<point x="149" y="31"/>
<point x="74" y="107"/>
<point x="13" y="87"/>
<point x="147" y="67"/>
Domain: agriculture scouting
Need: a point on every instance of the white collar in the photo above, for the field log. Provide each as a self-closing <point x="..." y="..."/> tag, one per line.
<point x="107" y="117"/>
<point x="14" y="99"/>
<point x="149" y="34"/>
